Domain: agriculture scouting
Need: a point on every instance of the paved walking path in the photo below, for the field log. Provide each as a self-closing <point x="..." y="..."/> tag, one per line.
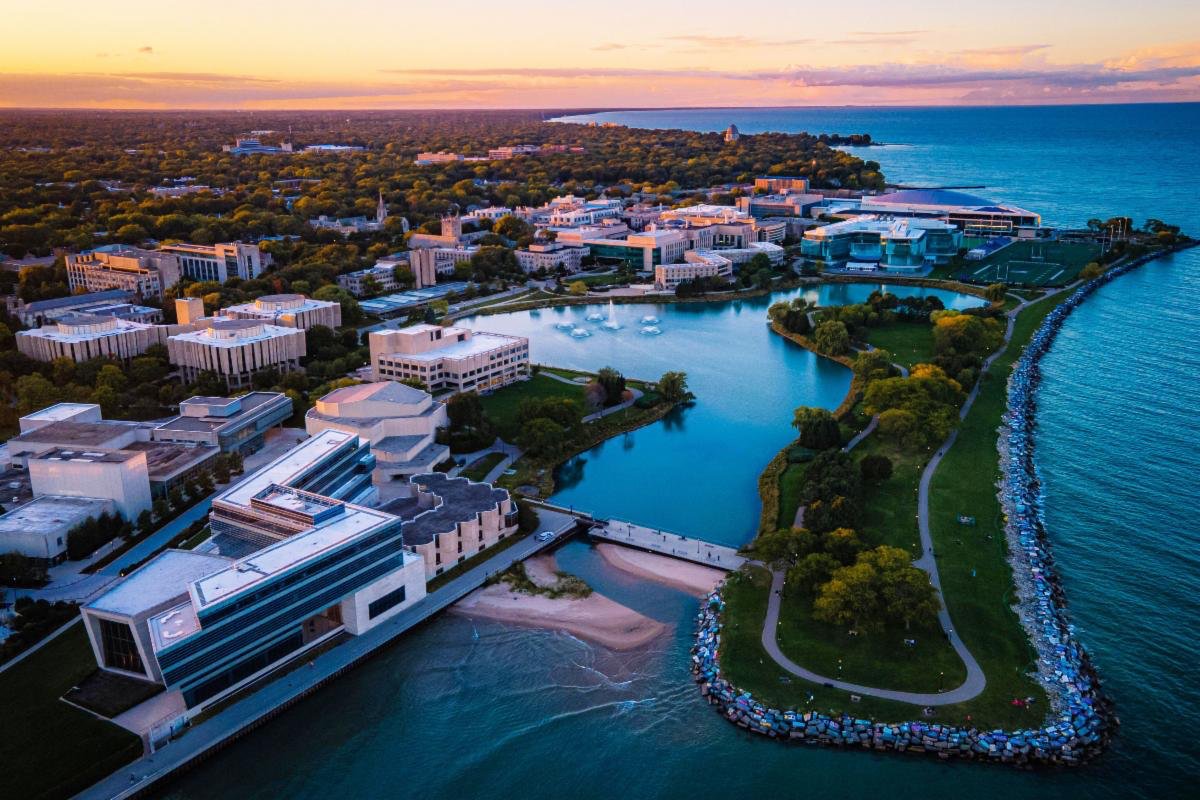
<point x="636" y="395"/>
<point x="205" y="737"/>
<point x="975" y="681"/>
<point x="667" y="543"/>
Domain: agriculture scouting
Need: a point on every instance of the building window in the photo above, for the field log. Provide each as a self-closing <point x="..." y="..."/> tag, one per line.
<point x="385" y="603"/>
<point x="120" y="650"/>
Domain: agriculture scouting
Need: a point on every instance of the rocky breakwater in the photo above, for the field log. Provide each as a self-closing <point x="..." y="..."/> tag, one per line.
<point x="1081" y="721"/>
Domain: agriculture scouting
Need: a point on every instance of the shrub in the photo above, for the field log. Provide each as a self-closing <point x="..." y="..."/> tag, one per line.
<point x="875" y="468"/>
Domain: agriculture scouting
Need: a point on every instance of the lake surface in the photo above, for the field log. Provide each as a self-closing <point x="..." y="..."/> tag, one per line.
<point x="531" y="714"/>
<point x="704" y="460"/>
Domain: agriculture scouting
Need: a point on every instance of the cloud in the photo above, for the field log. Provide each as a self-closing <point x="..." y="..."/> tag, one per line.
<point x="1013" y="50"/>
<point x="192" y="77"/>
<point x="721" y="42"/>
<point x="147" y="50"/>
<point x="610" y="46"/>
<point x="1085" y="76"/>
<point x="884" y="38"/>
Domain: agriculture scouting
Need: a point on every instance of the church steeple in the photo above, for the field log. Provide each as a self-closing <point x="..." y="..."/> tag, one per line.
<point x="381" y="209"/>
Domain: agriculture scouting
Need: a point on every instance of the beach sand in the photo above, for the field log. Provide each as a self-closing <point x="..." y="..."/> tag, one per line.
<point x="695" y="579"/>
<point x="594" y="618"/>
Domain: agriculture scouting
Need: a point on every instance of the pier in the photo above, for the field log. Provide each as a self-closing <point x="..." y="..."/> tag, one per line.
<point x="654" y="540"/>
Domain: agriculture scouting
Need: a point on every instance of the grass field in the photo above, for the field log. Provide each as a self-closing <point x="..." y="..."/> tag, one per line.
<point x="501" y="406"/>
<point x="908" y="342"/>
<point x="1029" y="263"/>
<point x="477" y="470"/>
<point x="51" y="749"/>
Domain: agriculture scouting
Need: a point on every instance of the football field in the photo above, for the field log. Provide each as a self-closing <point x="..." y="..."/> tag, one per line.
<point x="1030" y="263"/>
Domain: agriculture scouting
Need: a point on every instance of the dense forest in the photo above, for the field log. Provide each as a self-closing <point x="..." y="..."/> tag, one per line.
<point x="76" y="179"/>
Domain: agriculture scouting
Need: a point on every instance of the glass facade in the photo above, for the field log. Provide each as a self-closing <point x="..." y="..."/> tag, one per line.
<point x="119" y="648"/>
<point x="385" y="603"/>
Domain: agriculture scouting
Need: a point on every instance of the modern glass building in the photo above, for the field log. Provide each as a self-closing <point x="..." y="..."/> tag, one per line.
<point x="903" y="244"/>
<point x="291" y="563"/>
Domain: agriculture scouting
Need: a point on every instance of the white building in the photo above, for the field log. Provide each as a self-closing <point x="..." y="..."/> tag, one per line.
<point x="219" y="262"/>
<point x="236" y="349"/>
<point x="491" y="212"/>
<point x="449" y="358"/>
<point x="121" y="476"/>
<point x="378" y="279"/>
<point x="39" y="529"/>
<point x="696" y="264"/>
<point x="290" y="311"/>
<point x="81" y="337"/>
<point x="145" y="273"/>
<point x="399" y="421"/>
<point x="550" y="256"/>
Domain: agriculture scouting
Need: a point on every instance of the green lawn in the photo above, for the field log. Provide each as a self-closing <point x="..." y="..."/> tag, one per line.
<point x="908" y="342"/>
<point x="790" y="483"/>
<point x="478" y="469"/>
<point x="1032" y="263"/>
<point x="890" y="506"/>
<point x="501" y="406"/>
<point x="51" y="749"/>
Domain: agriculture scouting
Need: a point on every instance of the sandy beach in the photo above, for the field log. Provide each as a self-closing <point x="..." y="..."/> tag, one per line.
<point x="695" y="579"/>
<point x="594" y="618"/>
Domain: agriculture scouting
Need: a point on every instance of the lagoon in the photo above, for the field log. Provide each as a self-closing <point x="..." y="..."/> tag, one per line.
<point x="696" y="471"/>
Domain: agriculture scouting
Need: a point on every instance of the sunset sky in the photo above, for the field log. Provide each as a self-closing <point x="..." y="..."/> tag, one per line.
<point x="563" y="54"/>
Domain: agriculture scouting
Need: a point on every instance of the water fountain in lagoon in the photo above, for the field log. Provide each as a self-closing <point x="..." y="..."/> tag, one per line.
<point x="611" y="323"/>
<point x="650" y="330"/>
<point x="580" y="333"/>
<point x="565" y="325"/>
<point x="595" y="316"/>
<point x="649" y="319"/>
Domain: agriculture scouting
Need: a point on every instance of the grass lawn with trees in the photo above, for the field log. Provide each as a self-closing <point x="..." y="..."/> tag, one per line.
<point x="502" y="405"/>
<point x="52" y="749"/>
<point x="908" y="342"/>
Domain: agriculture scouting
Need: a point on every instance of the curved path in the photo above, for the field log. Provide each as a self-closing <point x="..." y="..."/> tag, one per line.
<point x="975" y="681"/>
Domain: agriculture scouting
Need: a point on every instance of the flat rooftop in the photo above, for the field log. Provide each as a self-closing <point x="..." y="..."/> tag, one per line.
<point x="282" y="555"/>
<point x="251" y="404"/>
<point x="77" y="434"/>
<point x="479" y="342"/>
<point x="462" y="501"/>
<point x="248" y="330"/>
<point x="285" y="469"/>
<point x="86" y="456"/>
<point x="52" y="512"/>
<point x="164" y="459"/>
<point x="61" y="411"/>
<point x="164" y="578"/>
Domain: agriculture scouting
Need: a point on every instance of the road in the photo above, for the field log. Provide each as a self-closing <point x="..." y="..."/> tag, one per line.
<point x="206" y="736"/>
<point x="975" y="681"/>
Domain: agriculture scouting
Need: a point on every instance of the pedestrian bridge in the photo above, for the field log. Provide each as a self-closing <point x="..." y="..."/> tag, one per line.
<point x="658" y="541"/>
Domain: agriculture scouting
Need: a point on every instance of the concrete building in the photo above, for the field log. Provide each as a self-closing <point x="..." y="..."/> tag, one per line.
<point x="449" y="358"/>
<point x="81" y="337"/>
<point x="347" y="226"/>
<point x="448" y="520"/>
<point x="440" y="157"/>
<point x="732" y="134"/>
<point x="231" y="424"/>
<point x="289" y="311"/>
<point x="741" y="255"/>
<point x="39" y="529"/>
<point x="144" y="273"/>
<point x="60" y="412"/>
<point x="781" y="184"/>
<point x="121" y="476"/>
<point x="112" y="303"/>
<point x="371" y="281"/>
<point x="236" y="350"/>
<point x="219" y="262"/>
<point x="245" y="146"/>
<point x="550" y="256"/>
<point x="428" y="263"/>
<point x="189" y="311"/>
<point x="870" y="241"/>
<point x="511" y="151"/>
<point x="491" y="212"/>
<point x="646" y="250"/>
<point x="792" y="204"/>
<point x="696" y="264"/>
<point x="399" y="421"/>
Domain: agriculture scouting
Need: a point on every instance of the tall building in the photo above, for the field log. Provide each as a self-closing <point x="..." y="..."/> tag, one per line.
<point x="399" y="421"/>
<point x="289" y="566"/>
<point x="378" y="279"/>
<point x="449" y="358"/>
<point x="290" y="311"/>
<point x="550" y="256"/>
<point x="219" y="262"/>
<point x="145" y="273"/>
<point x="236" y="350"/>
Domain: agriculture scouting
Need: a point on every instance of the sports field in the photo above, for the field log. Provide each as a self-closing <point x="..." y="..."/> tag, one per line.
<point x="1032" y="263"/>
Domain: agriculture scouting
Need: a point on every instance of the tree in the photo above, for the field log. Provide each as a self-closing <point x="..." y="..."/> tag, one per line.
<point x="902" y="427"/>
<point x="785" y="546"/>
<point x="541" y="437"/>
<point x="351" y="312"/>
<point x="870" y="365"/>
<point x="832" y="338"/>
<point x="673" y="386"/>
<point x="613" y="383"/>
<point x="560" y="410"/>
<point x="577" y="288"/>
<point x="464" y="410"/>
<point x="177" y="499"/>
<point x="995" y="292"/>
<point x="811" y="571"/>
<point x="882" y="587"/>
<point x="875" y="468"/>
<point x="818" y="429"/>
<point x="145" y="522"/>
<point x="162" y="508"/>
<point x="1091" y="271"/>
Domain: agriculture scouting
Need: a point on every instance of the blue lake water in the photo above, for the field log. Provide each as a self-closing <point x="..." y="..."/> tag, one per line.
<point x="532" y="714"/>
<point x="747" y="381"/>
